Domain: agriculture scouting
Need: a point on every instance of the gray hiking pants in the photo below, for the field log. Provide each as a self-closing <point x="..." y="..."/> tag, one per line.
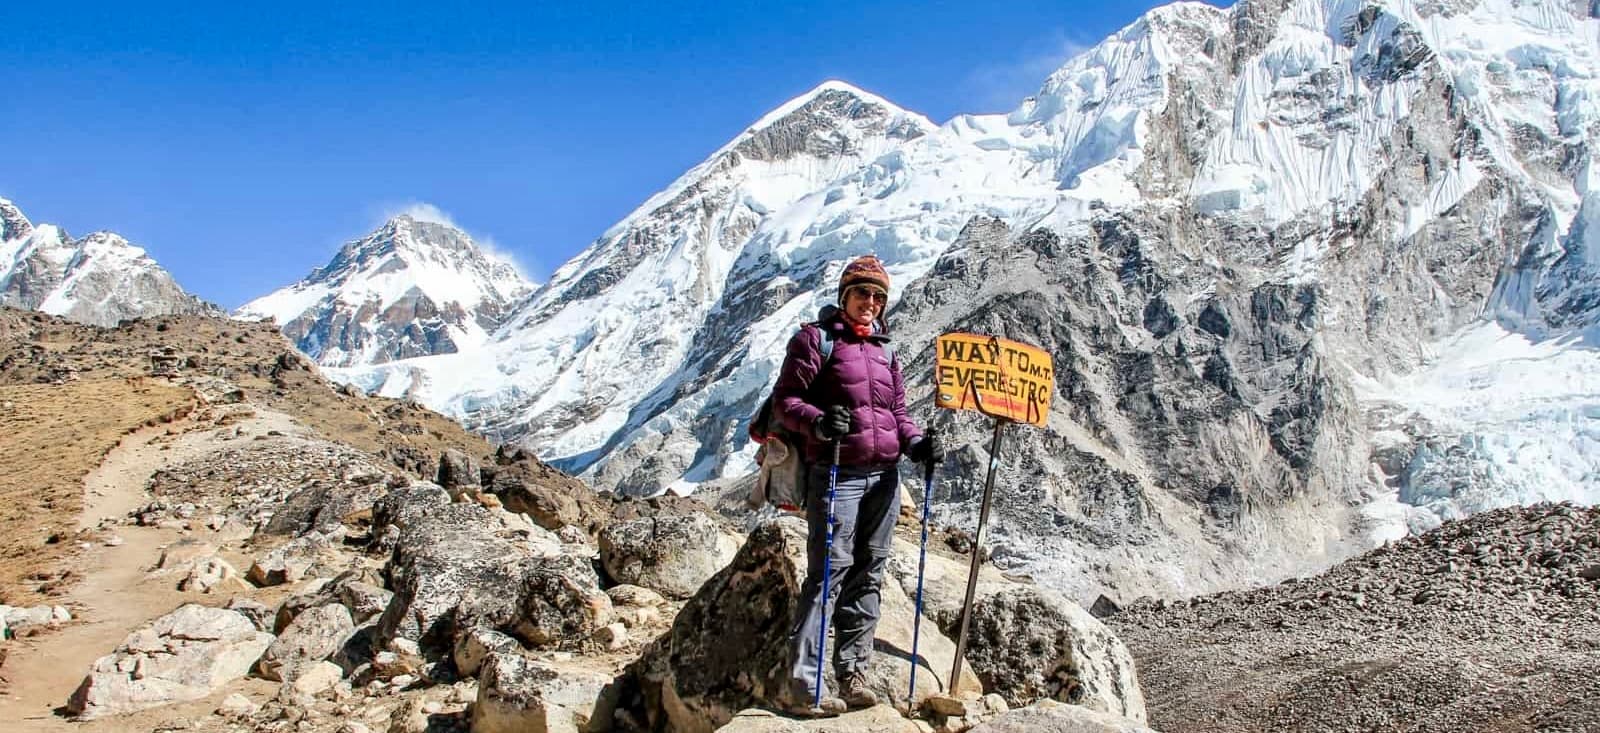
<point x="866" y="504"/>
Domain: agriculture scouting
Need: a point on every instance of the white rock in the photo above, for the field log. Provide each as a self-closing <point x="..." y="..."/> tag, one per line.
<point x="33" y="616"/>
<point x="476" y="645"/>
<point x="237" y="706"/>
<point x="212" y="573"/>
<point x="184" y="553"/>
<point x="312" y="637"/>
<point x="517" y="694"/>
<point x="612" y="637"/>
<point x="184" y="655"/>
<point x="316" y="678"/>
<point x="1049" y="716"/>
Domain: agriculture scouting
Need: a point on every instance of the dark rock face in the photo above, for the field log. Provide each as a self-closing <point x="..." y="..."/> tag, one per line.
<point x="458" y="473"/>
<point x="721" y="656"/>
<point x="1183" y="405"/>
<point x="13" y="224"/>
<point x="813" y="129"/>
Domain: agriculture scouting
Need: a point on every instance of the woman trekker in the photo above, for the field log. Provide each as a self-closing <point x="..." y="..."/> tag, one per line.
<point x="853" y="400"/>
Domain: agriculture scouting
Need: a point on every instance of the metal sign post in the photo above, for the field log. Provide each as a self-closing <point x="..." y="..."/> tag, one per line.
<point x="1009" y="381"/>
<point x="977" y="555"/>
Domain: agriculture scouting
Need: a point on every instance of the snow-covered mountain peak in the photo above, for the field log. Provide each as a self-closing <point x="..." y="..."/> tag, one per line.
<point x="101" y="279"/>
<point x="412" y="287"/>
<point x="406" y="241"/>
<point x="834" y="94"/>
<point x="13" y="225"/>
<point x="1217" y="219"/>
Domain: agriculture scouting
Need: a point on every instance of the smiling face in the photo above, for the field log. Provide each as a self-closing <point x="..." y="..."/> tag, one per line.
<point x="864" y="303"/>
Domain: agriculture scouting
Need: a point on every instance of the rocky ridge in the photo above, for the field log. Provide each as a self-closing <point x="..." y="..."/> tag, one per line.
<point x="383" y="595"/>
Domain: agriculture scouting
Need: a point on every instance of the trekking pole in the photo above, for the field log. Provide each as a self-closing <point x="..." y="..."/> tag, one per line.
<point x="827" y="571"/>
<point x="922" y="563"/>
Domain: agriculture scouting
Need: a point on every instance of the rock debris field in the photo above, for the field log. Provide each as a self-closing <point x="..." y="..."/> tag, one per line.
<point x="1491" y="623"/>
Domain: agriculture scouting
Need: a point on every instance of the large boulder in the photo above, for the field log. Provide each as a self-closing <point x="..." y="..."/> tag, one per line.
<point x="728" y="648"/>
<point x="672" y="554"/>
<point x="944" y="582"/>
<point x="185" y="655"/>
<point x="312" y="637"/>
<point x="1053" y="717"/>
<point x="1028" y="643"/>
<point x="519" y="695"/>
<point x="459" y="474"/>
<point x="326" y="506"/>
<point x="460" y="566"/>
<point x="525" y="484"/>
<point x="878" y="719"/>
<point x="561" y="603"/>
<point x="356" y="589"/>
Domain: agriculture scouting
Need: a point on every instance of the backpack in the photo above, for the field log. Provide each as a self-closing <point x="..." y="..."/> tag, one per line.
<point x="781" y="481"/>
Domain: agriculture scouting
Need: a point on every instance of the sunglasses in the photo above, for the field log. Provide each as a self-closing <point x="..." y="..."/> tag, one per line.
<point x="876" y="296"/>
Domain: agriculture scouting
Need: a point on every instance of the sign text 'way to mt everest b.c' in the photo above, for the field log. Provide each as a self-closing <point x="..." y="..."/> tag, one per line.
<point x="998" y="377"/>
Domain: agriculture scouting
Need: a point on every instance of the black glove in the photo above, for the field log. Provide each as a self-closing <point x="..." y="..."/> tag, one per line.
<point x="834" y="423"/>
<point x="927" y="449"/>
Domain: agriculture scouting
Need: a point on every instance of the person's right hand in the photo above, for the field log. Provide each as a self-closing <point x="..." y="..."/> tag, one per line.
<point x="834" y="423"/>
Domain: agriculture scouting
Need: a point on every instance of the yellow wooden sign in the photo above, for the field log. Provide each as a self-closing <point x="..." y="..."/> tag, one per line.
<point x="1001" y="378"/>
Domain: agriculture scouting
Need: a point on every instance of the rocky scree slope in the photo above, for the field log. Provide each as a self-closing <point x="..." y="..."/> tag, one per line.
<point x="1488" y="623"/>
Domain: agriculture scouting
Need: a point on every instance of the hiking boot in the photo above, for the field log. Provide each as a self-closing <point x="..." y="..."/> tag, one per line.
<point x="857" y="695"/>
<point x="801" y="698"/>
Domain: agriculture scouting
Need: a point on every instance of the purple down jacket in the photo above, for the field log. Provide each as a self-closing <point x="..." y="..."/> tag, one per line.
<point x="858" y="376"/>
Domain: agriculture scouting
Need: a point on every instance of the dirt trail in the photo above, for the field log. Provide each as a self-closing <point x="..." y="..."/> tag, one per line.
<point x="115" y="596"/>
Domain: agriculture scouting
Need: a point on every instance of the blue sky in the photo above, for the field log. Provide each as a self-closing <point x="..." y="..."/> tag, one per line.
<point x="241" y="144"/>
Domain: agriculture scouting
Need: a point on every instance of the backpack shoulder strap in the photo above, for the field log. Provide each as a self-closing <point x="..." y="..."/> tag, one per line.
<point x="825" y="344"/>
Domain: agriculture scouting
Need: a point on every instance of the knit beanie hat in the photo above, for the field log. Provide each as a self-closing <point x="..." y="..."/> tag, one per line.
<point x="866" y="269"/>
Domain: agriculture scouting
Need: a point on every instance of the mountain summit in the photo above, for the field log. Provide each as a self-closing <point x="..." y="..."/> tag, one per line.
<point x="101" y="279"/>
<point x="411" y="288"/>
<point x="623" y="317"/>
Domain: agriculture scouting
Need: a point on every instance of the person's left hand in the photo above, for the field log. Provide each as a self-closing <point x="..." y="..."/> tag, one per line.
<point x="927" y="449"/>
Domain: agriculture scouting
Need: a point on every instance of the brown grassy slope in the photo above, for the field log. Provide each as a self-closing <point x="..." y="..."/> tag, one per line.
<point x="75" y="390"/>
<point x="50" y="438"/>
<point x="36" y="348"/>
